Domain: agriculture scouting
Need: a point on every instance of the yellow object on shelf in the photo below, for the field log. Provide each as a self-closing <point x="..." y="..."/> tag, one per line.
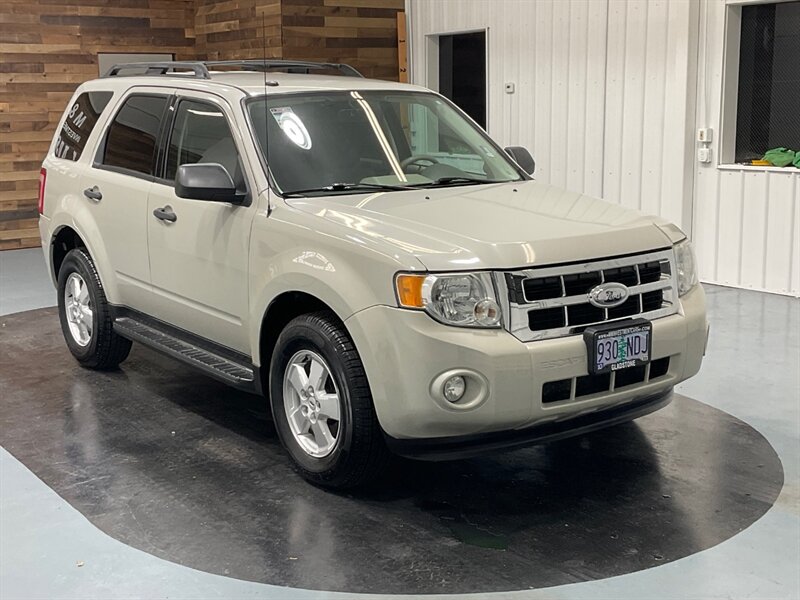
<point x="760" y="162"/>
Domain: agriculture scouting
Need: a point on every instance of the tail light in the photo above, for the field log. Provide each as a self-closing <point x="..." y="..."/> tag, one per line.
<point x="42" y="180"/>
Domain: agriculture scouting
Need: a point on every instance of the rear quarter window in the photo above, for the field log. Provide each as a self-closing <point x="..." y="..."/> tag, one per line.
<point x="81" y="118"/>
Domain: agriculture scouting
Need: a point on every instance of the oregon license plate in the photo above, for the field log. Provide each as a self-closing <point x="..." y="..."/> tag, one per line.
<point x="618" y="346"/>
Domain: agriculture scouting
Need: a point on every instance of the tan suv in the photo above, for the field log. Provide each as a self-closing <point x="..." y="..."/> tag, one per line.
<point x="364" y="255"/>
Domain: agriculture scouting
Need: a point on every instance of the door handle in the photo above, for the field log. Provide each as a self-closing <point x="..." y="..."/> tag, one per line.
<point x="93" y="193"/>
<point x="165" y="214"/>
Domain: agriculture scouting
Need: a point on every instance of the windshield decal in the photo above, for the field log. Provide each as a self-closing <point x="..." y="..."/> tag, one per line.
<point x="292" y="126"/>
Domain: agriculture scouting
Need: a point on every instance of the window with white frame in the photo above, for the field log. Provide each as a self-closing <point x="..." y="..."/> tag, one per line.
<point x="768" y="100"/>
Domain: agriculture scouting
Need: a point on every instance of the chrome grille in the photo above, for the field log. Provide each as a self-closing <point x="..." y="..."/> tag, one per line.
<point x="550" y="302"/>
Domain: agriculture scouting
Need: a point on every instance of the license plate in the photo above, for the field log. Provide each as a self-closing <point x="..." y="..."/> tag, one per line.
<point x="615" y="347"/>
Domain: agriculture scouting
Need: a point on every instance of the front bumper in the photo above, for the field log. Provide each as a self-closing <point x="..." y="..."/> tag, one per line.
<point x="404" y="352"/>
<point x="465" y="446"/>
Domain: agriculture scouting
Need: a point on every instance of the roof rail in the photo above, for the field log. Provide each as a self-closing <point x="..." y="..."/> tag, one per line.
<point x="200" y="69"/>
<point x="292" y="66"/>
<point x="161" y="68"/>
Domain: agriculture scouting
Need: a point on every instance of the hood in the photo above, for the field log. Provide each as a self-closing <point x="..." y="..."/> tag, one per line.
<point x="495" y="226"/>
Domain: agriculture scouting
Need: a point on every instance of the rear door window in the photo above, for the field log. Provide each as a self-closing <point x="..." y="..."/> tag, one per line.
<point x="81" y="118"/>
<point x="133" y="135"/>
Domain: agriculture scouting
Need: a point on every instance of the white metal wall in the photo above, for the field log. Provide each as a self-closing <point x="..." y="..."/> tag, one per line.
<point x="648" y="118"/>
<point x="747" y="219"/>
<point x="595" y="82"/>
<point x="555" y="54"/>
<point x="605" y="100"/>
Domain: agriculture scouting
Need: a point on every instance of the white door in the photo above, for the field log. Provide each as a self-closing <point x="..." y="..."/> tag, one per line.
<point x="198" y="262"/>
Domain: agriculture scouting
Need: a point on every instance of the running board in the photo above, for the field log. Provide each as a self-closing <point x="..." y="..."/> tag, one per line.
<point x="229" y="371"/>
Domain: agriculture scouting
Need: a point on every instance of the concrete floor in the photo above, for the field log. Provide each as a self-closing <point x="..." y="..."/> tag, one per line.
<point x="48" y="549"/>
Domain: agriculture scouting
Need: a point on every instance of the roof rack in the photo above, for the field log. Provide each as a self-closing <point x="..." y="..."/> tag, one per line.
<point x="200" y="69"/>
<point x="291" y="66"/>
<point x="161" y="68"/>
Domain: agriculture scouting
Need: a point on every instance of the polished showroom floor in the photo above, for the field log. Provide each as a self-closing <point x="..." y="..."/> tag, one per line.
<point x="154" y="481"/>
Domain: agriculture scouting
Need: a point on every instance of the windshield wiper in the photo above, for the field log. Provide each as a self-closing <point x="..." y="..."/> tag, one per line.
<point x="348" y="187"/>
<point x="458" y="180"/>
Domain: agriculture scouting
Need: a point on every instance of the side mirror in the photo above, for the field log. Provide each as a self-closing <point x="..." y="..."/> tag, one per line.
<point x="523" y="158"/>
<point x="206" y="181"/>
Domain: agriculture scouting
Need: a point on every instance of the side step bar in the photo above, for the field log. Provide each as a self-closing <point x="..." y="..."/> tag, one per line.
<point x="229" y="371"/>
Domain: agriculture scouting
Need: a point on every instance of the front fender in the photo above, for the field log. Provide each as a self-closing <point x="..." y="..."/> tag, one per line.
<point x="293" y="251"/>
<point x="325" y="285"/>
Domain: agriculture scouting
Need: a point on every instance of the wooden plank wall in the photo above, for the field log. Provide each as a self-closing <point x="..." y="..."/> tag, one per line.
<point x="362" y="33"/>
<point x="402" y="47"/>
<point x="47" y="48"/>
<point x="234" y="29"/>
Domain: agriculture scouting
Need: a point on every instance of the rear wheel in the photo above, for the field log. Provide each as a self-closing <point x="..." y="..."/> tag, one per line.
<point x="322" y="405"/>
<point x="86" y="316"/>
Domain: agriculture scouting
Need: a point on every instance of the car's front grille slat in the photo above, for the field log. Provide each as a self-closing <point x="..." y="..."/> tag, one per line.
<point x="577" y="388"/>
<point x="584" y="313"/>
<point x="542" y="320"/>
<point x="652" y="300"/>
<point x="553" y="301"/>
<point x="543" y="288"/>
<point x="625" y="275"/>
<point x="632" y="306"/>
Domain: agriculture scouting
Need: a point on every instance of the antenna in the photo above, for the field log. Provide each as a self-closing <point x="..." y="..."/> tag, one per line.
<point x="266" y="111"/>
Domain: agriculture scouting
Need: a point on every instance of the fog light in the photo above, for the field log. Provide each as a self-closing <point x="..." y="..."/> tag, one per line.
<point x="454" y="388"/>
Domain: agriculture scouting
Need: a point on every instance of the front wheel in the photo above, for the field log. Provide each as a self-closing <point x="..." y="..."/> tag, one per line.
<point x="322" y="405"/>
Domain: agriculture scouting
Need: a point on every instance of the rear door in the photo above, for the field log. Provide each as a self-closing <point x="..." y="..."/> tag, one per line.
<point x="117" y="185"/>
<point x="199" y="261"/>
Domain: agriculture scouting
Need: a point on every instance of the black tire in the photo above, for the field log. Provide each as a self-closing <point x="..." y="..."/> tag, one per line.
<point x="105" y="350"/>
<point x="360" y="455"/>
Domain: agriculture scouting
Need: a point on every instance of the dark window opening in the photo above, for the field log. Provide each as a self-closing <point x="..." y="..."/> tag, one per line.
<point x="462" y="72"/>
<point x="132" y="137"/>
<point x="768" y="108"/>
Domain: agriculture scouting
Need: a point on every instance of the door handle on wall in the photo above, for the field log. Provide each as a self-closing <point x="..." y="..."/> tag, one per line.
<point x="93" y="193"/>
<point x="165" y="214"/>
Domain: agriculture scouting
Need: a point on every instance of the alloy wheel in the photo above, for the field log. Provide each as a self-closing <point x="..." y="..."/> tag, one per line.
<point x="78" y="309"/>
<point x="312" y="404"/>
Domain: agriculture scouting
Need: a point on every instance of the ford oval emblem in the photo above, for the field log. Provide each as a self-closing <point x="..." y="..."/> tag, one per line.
<point x="608" y="295"/>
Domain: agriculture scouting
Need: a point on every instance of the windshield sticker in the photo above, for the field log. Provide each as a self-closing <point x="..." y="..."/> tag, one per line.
<point x="279" y="111"/>
<point x="292" y="126"/>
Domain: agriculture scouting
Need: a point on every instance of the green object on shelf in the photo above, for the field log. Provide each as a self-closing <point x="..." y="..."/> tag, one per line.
<point x="796" y="161"/>
<point x="781" y="157"/>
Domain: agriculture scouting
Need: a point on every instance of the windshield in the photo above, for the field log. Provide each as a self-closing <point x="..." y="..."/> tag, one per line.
<point x="374" y="138"/>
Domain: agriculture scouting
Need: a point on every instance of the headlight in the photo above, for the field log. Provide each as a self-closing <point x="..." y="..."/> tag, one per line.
<point x="463" y="299"/>
<point x="686" y="266"/>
